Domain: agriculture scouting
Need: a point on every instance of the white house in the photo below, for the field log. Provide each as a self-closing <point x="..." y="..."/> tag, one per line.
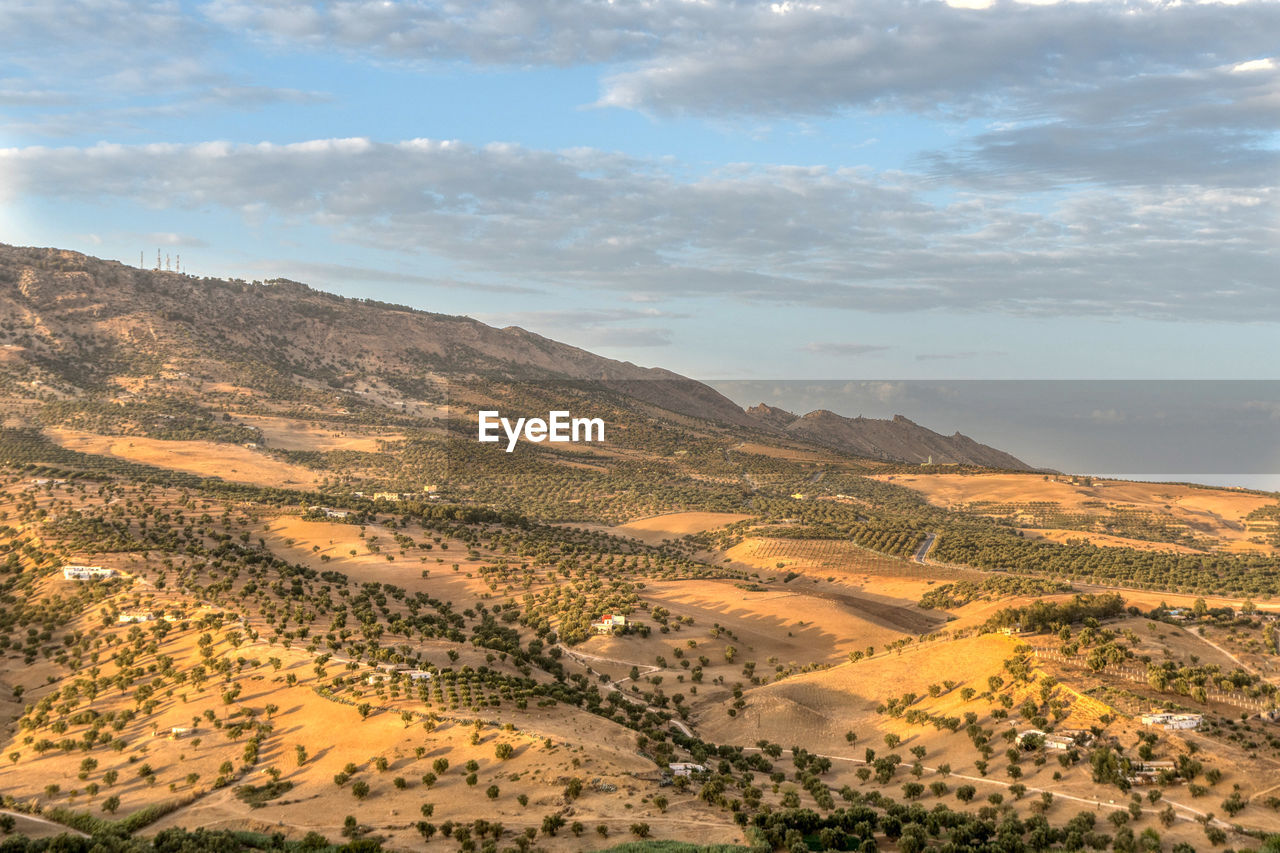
<point x="86" y="573"/>
<point x="330" y="512"/>
<point x="685" y="768"/>
<point x="1171" y="721"/>
<point x="128" y="616"/>
<point x="1060" y="742"/>
<point x="608" y="622"/>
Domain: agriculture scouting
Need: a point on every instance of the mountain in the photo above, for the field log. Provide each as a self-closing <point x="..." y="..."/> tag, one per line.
<point x="899" y="439"/>
<point x="74" y="327"/>
<point x="89" y="321"/>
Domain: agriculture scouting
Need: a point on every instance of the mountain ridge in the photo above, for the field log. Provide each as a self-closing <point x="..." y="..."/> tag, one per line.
<point x="88" y="326"/>
<point x="898" y="438"/>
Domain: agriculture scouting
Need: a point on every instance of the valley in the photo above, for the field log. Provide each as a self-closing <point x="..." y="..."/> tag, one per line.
<point x="328" y="617"/>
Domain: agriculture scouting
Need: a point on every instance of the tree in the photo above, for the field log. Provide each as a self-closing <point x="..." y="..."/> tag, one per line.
<point x="551" y="824"/>
<point x="492" y="792"/>
<point x="360" y="789"/>
<point x="504" y="751"/>
<point x="966" y="793"/>
<point x="640" y="830"/>
<point x="110" y="804"/>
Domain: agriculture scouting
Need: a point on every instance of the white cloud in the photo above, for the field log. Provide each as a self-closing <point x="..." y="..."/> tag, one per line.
<point x="734" y="57"/>
<point x="829" y="237"/>
<point x="845" y="349"/>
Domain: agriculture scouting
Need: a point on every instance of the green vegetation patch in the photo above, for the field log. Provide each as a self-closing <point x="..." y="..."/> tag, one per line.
<point x="257" y="796"/>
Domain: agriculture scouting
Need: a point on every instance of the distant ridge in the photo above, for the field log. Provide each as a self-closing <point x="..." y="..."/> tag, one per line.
<point x="77" y="327"/>
<point x="899" y="439"/>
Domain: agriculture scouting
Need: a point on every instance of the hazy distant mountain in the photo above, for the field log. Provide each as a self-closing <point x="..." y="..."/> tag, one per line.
<point x="73" y="326"/>
<point x="898" y="439"/>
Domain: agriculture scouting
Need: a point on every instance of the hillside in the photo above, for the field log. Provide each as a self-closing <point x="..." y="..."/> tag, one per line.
<point x="76" y="327"/>
<point x="320" y="612"/>
<point x="898" y="439"/>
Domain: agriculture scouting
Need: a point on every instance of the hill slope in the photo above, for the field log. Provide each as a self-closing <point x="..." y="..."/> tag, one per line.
<point x="73" y="326"/>
<point x="899" y="439"/>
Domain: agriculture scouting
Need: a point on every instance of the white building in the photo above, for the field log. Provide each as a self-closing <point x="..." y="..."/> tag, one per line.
<point x="86" y="573"/>
<point x="128" y="616"/>
<point x="685" y="768"/>
<point x="1060" y="742"/>
<point x="608" y="622"/>
<point x="330" y="512"/>
<point x="1171" y="721"/>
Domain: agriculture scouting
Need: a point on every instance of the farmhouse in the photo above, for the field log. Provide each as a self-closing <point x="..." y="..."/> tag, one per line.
<point x="86" y="573"/>
<point x="608" y="622"/>
<point x="684" y="768"/>
<point x="1171" y="721"/>
<point x="329" y="512"/>
<point x="1029" y="735"/>
<point x="1150" y="772"/>
<point x="129" y="616"/>
<point x="1059" y="742"/>
<point x="390" y="671"/>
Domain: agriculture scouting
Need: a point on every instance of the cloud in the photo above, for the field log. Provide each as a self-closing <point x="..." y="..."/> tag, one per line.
<point x="171" y="238"/>
<point x="583" y="317"/>
<point x="329" y="273"/>
<point x="592" y="328"/>
<point x="956" y="356"/>
<point x="1108" y="416"/>
<point x="93" y="66"/>
<point x="735" y="57"/>
<point x="1135" y="92"/>
<point x="844" y="349"/>
<point x="1214" y="127"/>
<point x="841" y="238"/>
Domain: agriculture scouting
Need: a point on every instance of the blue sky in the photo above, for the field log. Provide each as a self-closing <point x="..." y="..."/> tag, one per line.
<point x="731" y="190"/>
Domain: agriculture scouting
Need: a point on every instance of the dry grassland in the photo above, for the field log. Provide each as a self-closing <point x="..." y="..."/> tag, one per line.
<point x="1216" y="513"/>
<point x="230" y="462"/>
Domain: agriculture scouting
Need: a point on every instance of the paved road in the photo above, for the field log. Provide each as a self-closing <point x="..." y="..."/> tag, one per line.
<point x="922" y="553"/>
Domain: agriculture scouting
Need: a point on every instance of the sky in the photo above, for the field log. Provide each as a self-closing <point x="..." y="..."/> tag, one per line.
<point x="733" y="190"/>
